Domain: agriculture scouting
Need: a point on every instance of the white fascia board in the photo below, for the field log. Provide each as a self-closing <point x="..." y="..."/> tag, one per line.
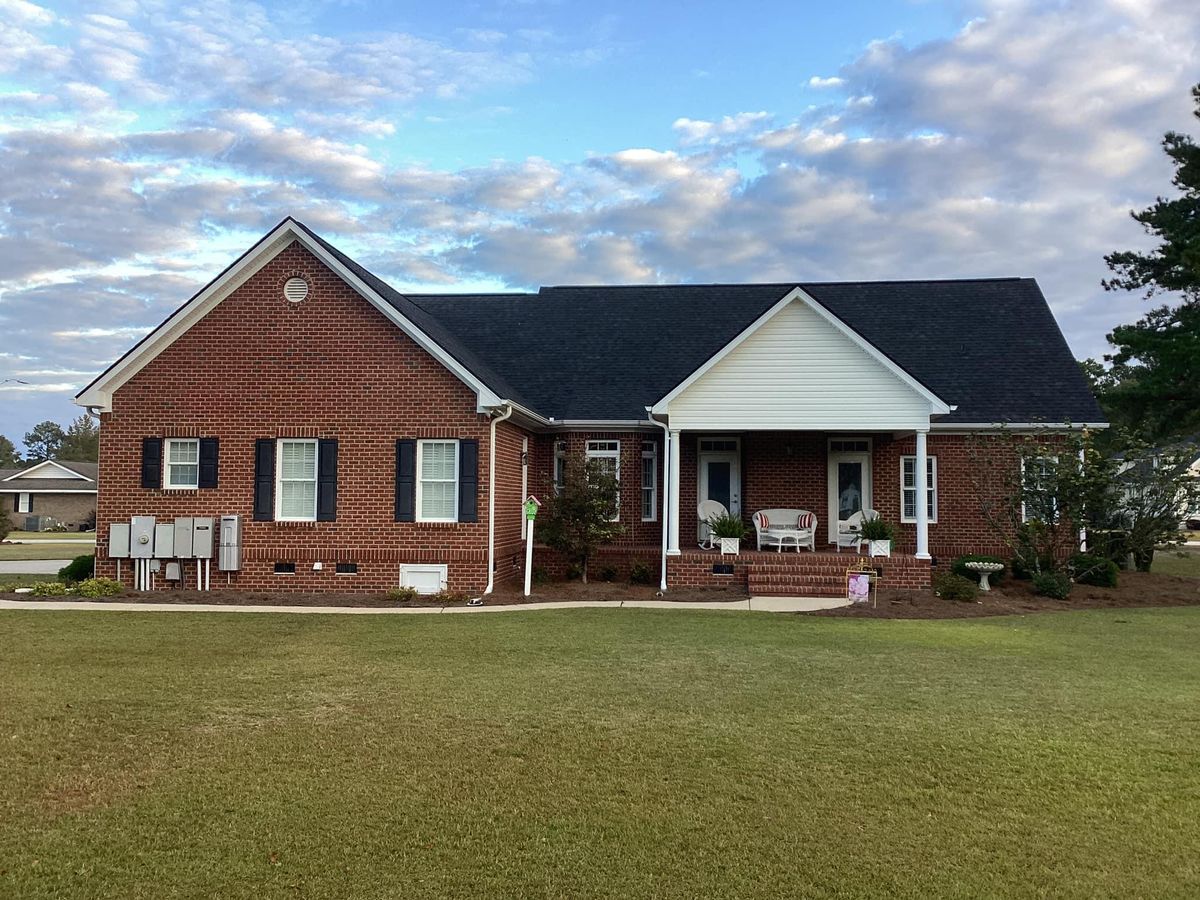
<point x="99" y="393"/>
<point x="23" y="490"/>
<point x="71" y="473"/>
<point x="937" y="406"/>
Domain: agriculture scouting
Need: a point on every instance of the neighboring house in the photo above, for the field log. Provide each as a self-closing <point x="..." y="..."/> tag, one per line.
<point x="55" y="489"/>
<point x="388" y="436"/>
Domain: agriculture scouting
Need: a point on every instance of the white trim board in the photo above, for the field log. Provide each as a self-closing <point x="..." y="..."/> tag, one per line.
<point x="99" y="393"/>
<point x="71" y="473"/>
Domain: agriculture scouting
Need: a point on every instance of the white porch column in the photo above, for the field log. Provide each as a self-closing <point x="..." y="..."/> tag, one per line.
<point x="921" y="480"/>
<point x="673" y="496"/>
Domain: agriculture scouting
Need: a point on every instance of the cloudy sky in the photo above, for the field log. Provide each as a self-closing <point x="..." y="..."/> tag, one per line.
<point x="513" y="143"/>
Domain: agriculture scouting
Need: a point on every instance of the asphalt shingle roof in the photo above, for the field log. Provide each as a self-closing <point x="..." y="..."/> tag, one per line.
<point x="87" y="469"/>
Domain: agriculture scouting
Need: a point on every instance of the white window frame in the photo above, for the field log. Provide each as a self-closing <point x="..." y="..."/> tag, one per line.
<point x="609" y="450"/>
<point x="420" y="517"/>
<point x="25" y="502"/>
<point x="558" y="466"/>
<point x="650" y="464"/>
<point x="168" y="466"/>
<point x="931" y="489"/>
<point x="1052" y="458"/>
<point x="279" y="516"/>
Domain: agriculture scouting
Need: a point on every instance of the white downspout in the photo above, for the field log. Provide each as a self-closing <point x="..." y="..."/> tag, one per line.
<point x="508" y="411"/>
<point x="666" y="497"/>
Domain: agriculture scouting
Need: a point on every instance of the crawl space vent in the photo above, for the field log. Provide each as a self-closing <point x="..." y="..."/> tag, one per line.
<point x="296" y="289"/>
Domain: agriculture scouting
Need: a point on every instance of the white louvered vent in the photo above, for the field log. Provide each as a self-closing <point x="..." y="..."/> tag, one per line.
<point x="296" y="289"/>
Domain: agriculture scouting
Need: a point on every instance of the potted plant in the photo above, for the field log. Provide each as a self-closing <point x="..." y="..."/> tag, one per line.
<point x="730" y="529"/>
<point x="879" y="536"/>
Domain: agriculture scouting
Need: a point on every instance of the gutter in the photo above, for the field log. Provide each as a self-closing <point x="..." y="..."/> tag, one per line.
<point x="666" y="496"/>
<point x="508" y="411"/>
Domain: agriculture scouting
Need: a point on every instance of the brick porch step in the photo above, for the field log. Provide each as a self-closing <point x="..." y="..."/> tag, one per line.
<point x="795" y="584"/>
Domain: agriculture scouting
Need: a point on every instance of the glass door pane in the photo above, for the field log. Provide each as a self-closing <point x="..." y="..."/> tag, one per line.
<point x="718" y="472"/>
<point x="850" y="488"/>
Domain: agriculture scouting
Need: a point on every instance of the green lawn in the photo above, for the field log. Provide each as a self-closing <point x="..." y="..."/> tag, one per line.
<point x="585" y="753"/>
<point x="44" y="551"/>
<point x="1177" y="562"/>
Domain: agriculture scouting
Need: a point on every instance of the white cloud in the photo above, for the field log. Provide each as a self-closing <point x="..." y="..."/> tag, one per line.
<point x="818" y="82"/>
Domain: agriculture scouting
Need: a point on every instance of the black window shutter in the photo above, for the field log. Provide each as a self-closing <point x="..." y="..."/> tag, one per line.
<point x="406" y="481"/>
<point x="31" y="502"/>
<point x="16" y="502"/>
<point x="468" y="481"/>
<point x="326" y="480"/>
<point x="209" y="451"/>
<point x="264" y="480"/>
<point x="152" y="462"/>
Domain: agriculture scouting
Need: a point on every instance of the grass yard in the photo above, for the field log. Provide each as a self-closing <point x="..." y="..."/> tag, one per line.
<point x="589" y="753"/>
<point x="1177" y="562"/>
<point x="44" y="551"/>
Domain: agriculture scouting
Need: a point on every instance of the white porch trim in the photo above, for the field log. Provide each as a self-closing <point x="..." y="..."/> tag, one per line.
<point x="673" y="494"/>
<point x="921" y="482"/>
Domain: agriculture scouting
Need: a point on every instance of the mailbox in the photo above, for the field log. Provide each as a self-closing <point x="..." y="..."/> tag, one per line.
<point x="183" y="538"/>
<point x="164" y="540"/>
<point x="118" y="540"/>
<point x="202" y="537"/>
<point x="141" y="537"/>
<point x="230" y="558"/>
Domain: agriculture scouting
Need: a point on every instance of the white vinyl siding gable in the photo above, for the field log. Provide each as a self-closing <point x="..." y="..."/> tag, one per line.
<point x="799" y="371"/>
<point x="908" y="489"/>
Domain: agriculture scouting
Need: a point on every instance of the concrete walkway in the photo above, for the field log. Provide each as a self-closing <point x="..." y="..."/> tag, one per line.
<point x="753" y="604"/>
<point x="31" y="566"/>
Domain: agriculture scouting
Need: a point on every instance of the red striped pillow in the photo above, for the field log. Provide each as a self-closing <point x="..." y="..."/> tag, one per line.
<point x="764" y="522"/>
<point x="805" y="520"/>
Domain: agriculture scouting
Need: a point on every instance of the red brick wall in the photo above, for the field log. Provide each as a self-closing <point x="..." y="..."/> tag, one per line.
<point x="332" y="366"/>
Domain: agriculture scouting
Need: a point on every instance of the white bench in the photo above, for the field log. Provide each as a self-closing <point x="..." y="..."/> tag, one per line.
<point x="777" y="527"/>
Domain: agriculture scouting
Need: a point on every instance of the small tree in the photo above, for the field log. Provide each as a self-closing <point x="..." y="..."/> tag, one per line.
<point x="581" y="516"/>
<point x="44" y="441"/>
<point x="1154" y="491"/>
<point x="9" y="458"/>
<point x="81" y="443"/>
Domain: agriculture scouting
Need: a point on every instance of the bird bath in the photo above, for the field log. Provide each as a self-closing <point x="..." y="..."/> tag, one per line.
<point x="983" y="570"/>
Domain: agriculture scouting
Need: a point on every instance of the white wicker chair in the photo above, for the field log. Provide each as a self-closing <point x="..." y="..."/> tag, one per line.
<point x="706" y="510"/>
<point x="848" y="529"/>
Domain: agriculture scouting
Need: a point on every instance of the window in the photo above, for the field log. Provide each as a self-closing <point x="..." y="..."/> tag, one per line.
<point x="908" y="489"/>
<point x="24" y="503"/>
<point x="649" y="481"/>
<point x="560" y="465"/>
<point x="297" y="482"/>
<point x="183" y="464"/>
<point x="437" y="481"/>
<point x="849" y="446"/>
<point x="609" y="455"/>
<point x="710" y="445"/>
<point x="1038" y="475"/>
<point x="285" y="568"/>
<point x="346" y="568"/>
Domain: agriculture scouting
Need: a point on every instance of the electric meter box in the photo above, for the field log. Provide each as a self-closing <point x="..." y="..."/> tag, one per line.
<point x="183" y="538"/>
<point x="164" y="540"/>
<point x="202" y="537"/>
<point x="141" y="537"/>
<point x="118" y="540"/>
<point x="230" y="558"/>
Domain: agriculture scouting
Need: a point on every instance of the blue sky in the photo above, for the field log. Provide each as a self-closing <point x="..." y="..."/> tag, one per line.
<point x="144" y="144"/>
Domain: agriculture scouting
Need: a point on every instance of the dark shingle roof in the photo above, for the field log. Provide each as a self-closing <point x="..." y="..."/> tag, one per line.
<point x="87" y="469"/>
<point x="608" y="352"/>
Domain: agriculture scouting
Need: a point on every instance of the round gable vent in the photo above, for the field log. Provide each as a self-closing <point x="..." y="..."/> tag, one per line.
<point x="296" y="289"/>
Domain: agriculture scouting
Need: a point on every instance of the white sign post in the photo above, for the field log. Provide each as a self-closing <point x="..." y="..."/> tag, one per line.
<point x="531" y="508"/>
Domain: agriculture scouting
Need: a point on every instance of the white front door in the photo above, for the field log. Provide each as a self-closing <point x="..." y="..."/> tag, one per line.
<point x="849" y="480"/>
<point x="720" y="475"/>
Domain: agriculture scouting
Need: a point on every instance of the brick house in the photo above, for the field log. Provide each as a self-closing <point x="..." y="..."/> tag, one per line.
<point x="368" y="437"/>
<point x="54" y="491"/>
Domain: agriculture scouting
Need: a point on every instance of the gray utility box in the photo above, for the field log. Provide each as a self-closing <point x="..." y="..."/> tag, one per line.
<point x="202" y="537"/>
<point x="141" y="537"/>
<point x="118" y="540"/>
<point x="230" y="559"/>
<point x="164" y="540"/>
<point x="183" y="537"/>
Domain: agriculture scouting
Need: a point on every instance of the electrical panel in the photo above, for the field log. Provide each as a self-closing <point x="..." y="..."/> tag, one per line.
<point x="202" y="537"/>
<point x="230" y="558"/>
<point x="141" y="537"/>
<point x="118" y="540"/>
<point x="173" y="572"/>
<point x="164" y="540"/>
<point x="183" y="538"/>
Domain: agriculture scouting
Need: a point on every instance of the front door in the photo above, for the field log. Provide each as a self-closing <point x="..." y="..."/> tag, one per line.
<point x="720" y="475"/>
<point x="849" y="480"/>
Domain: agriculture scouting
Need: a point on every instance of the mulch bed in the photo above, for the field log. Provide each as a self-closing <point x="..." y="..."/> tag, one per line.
<point x="1136" y="590"/>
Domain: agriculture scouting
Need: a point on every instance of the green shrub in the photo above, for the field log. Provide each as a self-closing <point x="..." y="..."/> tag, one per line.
<point x="539" y="576"/>
<point x="1056" y="585"/>
<point x="449" y="598"/>
<point x="99" y="587"/>
<point x="402" y="594"/>
<point x="949" y="586"/>
<point x="639" y="573"/>
<point x="1097" y="571"/>
<point x="5" y="526"/>
<point x="49" y="589"/>
<point x="1033" y="554"/>
<point x="608" y="573"/>
<point x="80" y="568"/>
<point x="877" y="529"/>
<point x="574" y="572"/>
<point x="959" y="566"/>
<point x="727" y="526"/>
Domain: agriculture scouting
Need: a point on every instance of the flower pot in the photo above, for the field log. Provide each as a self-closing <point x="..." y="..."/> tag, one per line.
<point x="730" y="546"/>
<point x="879" y="548"/>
